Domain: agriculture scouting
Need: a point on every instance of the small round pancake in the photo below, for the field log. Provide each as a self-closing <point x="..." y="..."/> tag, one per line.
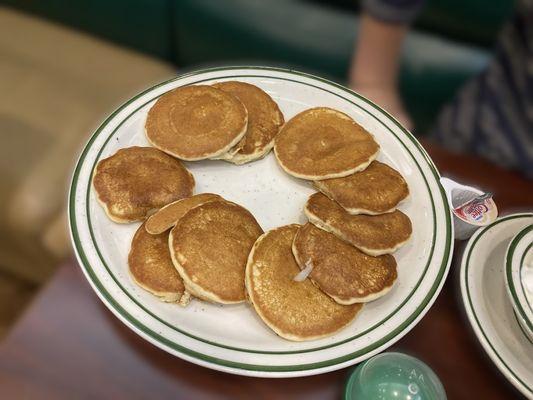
<point x="209" y="247"/>
<point x="340" y="270"/>
<point x="294" y="310"/>
<point x="135" y="181"/>
<point x="323" y="143"/>
<point x="166" y="217"/>
<point x="376" y="190"/>
<point x="264" y="121"/>
<point x="196" y="122"/>
<point x="151" y="267"/>
<point x="373" y="234"/>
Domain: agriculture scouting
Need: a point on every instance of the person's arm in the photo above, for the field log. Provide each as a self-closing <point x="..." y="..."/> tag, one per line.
<point x="376" y="59"/>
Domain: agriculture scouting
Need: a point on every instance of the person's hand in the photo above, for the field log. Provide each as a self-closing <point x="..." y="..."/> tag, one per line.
<point x="375" y="65"/>
<point x="389" y="100"/>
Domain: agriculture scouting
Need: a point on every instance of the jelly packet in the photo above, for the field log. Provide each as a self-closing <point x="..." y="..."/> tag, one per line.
<point x="471" y="208"/>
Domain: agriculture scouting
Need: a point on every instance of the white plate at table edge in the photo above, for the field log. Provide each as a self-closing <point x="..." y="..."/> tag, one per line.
<point x="442" y="243"/>
<point x="485" y="333"/>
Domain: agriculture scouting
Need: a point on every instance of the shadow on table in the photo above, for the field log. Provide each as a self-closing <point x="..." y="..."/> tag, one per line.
<point x="206" y="383"/>
<point x="444" y="331"/>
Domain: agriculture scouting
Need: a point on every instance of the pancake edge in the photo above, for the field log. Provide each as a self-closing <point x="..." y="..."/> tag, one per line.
<point x="240" y="159"/>
<point x="227" y="155"/>
<point x="278" y="331"/>
<point x="170" y="204"/>
<point x="354" y="210"/>
<point x="371" y="252"/>
<point x="166" y="297"/>
<point x="366" y="299"/>
<point x="360" y="167"/>
<point x="345" y="301"/>
<point x="233" y="155"/>
<point x="192" y="287"/>
<point x="205" y="155"/>
<point x="104" y="205"/>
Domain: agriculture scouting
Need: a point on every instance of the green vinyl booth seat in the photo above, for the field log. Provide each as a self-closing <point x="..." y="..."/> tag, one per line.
<point x="450" y="42"/>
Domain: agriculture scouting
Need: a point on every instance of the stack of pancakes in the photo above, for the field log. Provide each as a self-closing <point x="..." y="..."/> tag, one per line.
<point x="294" y="310"/>
<point x="354" y="224"/>
<point x="305" y="282"/>
<point x="169" y="256"/>
<point x="232" y="121"/>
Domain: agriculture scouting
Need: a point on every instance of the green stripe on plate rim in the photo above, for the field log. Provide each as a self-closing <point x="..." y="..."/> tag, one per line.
<point x="471" y="304"/>
<point x="283" y="368"/>
<point x="509" y="272"/>
<point x="521" y="327"/>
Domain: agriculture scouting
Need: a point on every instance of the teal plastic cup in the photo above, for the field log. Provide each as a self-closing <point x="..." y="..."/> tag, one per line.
<point x="393" y="376"/>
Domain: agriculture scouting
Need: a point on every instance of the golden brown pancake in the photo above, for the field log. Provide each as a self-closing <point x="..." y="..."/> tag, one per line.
<point x="166" y="217"/>
<point x="264" y="121"/>
<point x="196" y="122"/>
<point x="151" y="267"/>
<point x="136" y="181"/>
<point x="209" y="247"/>
<point x="294" y="310"/>
<point x="340" y="270"/>
<point x="373" y="234"/>
<point x="323" y="143"/>
<point x="376" y="190"/>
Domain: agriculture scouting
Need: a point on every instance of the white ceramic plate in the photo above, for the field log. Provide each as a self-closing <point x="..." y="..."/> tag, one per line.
<point x="518" y="264"/>
<point x="233" y="338"/>
<point x="487" y="305"/>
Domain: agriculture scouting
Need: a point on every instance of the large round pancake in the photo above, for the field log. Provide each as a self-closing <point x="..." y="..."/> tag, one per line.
<point x="294" y="310"/>
<point x="167" y="216"/>
<point x="323" y="143"/>
<point x="373" y="234"/>
<point x="151" y="267"/>
<point x="376" y="190"/>
<point x="209" y="247"/>
<point x="135" y="181"/>
<point x="340" y="270"/>
<point x="264" y="122"/>
<point x="196" y="122"/>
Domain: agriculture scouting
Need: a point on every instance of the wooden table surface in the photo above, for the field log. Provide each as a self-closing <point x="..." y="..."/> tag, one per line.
<point x="69" y="346"/>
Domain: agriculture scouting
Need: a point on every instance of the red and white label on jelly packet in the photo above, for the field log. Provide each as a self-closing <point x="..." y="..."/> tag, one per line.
<point x="477" y="212"/>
